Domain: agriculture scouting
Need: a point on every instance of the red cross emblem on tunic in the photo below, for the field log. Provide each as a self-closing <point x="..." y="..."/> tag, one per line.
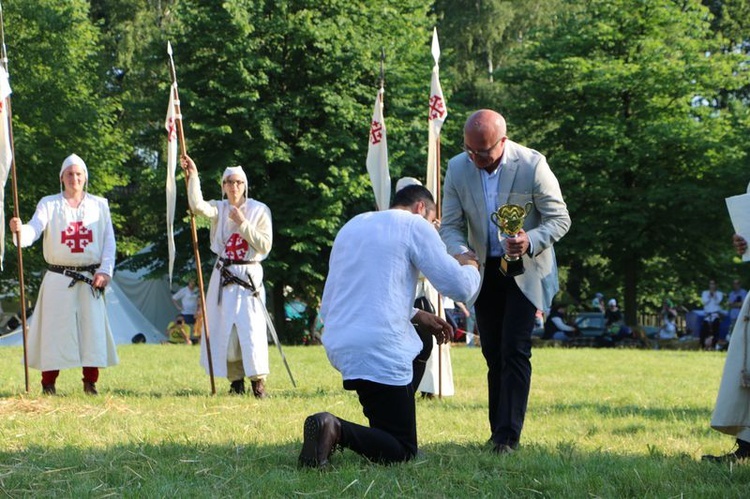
<point x="77" y="237"/>
<point x="376" y="132"/>
<point x="437" y="107"/>
<point x="171" y="130"/>
<point x="236" y="248"/>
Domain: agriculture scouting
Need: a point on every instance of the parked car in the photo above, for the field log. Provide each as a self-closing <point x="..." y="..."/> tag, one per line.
<point x="591" y="324"/>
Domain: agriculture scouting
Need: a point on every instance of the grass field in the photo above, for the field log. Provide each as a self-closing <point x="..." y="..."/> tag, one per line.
<point x="601" y="423"/>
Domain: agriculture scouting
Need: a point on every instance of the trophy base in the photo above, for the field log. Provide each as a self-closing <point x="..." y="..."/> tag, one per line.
<point x="511" y="268"/>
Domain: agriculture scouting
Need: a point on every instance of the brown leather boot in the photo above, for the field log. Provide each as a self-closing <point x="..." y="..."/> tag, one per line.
<point x="259" y="389"/>
<point x="89" y="388"/>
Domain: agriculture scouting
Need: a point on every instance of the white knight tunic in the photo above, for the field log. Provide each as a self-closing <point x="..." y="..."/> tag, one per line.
<point x="732" y="411"/>
<point x="69" y="327"/>
<point x="235" y="305"/>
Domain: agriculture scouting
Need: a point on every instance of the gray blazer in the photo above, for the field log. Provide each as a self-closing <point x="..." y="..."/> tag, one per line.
<point x="526" y="177"/>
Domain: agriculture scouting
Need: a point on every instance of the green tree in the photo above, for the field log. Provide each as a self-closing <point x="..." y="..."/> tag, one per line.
<point x="61" y="105"/>
<point x="622" y="97"/>
<point x="286" y="90"/>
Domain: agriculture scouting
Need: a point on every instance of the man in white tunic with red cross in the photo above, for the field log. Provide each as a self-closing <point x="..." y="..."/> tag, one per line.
<point x="69" y="327"/>
<point x="241" y="237"/>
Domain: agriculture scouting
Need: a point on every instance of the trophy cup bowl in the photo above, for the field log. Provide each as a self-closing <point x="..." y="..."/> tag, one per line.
<point x="509" y="219"/>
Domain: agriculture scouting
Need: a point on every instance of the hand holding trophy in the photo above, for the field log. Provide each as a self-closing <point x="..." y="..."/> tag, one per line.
<point x="509" y="219"/>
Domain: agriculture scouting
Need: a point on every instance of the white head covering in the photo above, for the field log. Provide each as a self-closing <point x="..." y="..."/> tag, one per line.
<point x="612" y="302"/>
<point x="234" y="170"/>
<point x="406" y="181"/>
<point x="71" y="160"/>
<point x="74" y="159"/>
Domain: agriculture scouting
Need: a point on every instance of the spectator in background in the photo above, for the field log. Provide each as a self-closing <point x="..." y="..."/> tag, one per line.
<point x="178" y="332"/>
<point x="711" y="299"/>
<point x="186" y="301"/>
<point x="614" y="321"/>
<point x="598" y="303"/>
<point x="734" y="303"/>
<point x="555" y="328"/>
<point x="668" y="330"/>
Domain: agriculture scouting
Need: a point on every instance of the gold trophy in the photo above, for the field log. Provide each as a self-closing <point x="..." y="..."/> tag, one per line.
<point x="509" y="219"/>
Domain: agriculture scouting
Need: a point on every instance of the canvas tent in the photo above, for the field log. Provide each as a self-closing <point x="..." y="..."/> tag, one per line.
<point x="125" y="319"/>
<point x="152" y="297"/>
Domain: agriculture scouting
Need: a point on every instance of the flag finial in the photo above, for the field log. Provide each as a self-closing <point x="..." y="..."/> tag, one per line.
<point x="435" y="46"/>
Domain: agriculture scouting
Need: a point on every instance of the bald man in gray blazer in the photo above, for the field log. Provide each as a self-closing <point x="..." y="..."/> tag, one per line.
<point x="494" y="171"/>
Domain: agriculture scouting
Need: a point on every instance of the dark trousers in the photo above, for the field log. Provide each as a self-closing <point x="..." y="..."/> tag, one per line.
<point x="505" y="318"/>
<point x="710" y="329"/>
<point x="392" y="435"/>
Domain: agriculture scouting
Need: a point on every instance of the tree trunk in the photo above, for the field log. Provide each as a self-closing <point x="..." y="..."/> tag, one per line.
<point x="631" y="289"/>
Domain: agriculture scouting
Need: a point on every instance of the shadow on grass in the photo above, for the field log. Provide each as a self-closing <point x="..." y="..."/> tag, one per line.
<point x="444" y="470"/>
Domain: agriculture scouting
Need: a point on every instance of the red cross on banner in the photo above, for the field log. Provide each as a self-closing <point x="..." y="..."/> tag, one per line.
<point x="171" y="129"/>
<point x="77" y="237"/>
<point x="437" y="107"/>
<point x="376" y="132"/>
<point x="236" y="248"/>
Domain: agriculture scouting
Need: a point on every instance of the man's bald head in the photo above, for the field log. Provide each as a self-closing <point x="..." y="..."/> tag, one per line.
<point x="486" y="123"/>
<point x="484" y="139"/>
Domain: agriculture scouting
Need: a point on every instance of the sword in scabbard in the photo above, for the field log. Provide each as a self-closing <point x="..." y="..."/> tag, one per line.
<point x="272" y="329"/>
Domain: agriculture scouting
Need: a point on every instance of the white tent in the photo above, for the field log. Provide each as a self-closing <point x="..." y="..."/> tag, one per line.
<point x="125" y="319"/>
<point x="152" y="297"/>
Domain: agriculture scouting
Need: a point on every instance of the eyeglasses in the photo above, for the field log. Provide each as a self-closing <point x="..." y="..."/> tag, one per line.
<point x="483" y="154"/>
<point x="235" y="183"/>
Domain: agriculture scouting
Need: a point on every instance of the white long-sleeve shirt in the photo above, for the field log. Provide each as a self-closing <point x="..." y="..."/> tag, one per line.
<point x="369" y="293"/>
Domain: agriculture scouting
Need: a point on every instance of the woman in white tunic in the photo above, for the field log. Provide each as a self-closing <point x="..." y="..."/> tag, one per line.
<point x="732" y="411"/>
<point x="241" y="238"/>
<point x="69" y="327"/>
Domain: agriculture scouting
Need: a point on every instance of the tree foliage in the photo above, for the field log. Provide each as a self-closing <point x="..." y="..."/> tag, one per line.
<point x="60" y="105"/>
<point x="622" y="96"/>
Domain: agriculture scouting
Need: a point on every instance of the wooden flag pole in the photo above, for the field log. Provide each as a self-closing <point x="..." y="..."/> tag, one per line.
<point x="193" y="227"/>
<point x="16" y="213"/>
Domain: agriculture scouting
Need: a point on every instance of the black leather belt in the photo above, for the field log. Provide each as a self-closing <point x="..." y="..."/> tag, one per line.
<point x="227" y="277"/>
<point x="226" y="262"/>
<point x="60" y="269"/>
<point x="75" y="274"/>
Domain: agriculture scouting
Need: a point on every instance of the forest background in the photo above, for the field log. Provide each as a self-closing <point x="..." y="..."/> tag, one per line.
<point x="642" y="108"/>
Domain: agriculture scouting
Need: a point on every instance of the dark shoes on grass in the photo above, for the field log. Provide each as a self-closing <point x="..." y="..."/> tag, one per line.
<point x="238" y="388"/>
<point x="740" y="454"/>
<point x="259" y="389"/>
<point x="89" y="388"/>
<point x="322" y="432"/>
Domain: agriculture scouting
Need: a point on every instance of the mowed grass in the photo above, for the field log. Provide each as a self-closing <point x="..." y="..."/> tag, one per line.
<point x="600" y="423"/>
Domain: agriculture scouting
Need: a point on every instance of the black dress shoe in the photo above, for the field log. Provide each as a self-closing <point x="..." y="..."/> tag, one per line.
<point x="322" y="432"/>
<point x="237" y="387"/>
<point x="731" y="457"/>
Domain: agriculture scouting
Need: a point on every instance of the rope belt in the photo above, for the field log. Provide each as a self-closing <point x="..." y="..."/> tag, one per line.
<point x="75" y="274"/>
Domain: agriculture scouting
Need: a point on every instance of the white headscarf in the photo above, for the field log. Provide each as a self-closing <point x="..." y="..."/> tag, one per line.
<point x="234" y="170"/>
<point x="406" y="181"/>
<point x="71" y="160"/>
